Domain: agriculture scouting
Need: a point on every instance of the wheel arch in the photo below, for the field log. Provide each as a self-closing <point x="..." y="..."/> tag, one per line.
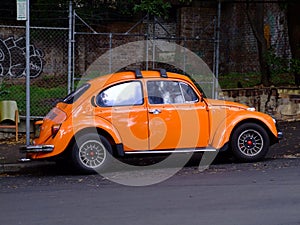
<point x="221" y="143"/>
<point x="258" y="122"/>
<point x="99" y="131"/>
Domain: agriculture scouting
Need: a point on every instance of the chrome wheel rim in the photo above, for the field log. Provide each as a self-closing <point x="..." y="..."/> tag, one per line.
<point x="250" y="142"/>
<point x="92" y="154"/>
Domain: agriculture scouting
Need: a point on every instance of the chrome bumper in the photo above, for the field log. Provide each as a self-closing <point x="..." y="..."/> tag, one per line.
<point x="279" y="135"/>
<point x="37" y="148"/>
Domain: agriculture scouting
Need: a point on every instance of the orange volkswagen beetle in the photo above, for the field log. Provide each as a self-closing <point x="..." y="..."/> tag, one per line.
<point x="134" y="112"/>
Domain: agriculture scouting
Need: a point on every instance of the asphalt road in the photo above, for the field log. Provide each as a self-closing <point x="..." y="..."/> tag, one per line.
<point x="266" y="193"/>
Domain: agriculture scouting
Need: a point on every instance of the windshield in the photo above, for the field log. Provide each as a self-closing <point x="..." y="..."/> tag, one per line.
<point x="73" y="96"/>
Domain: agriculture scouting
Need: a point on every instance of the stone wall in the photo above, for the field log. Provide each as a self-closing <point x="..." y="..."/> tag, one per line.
<point x="281" y="103"/>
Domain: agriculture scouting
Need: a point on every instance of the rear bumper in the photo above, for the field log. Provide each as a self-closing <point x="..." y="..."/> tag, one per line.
<point x="37" y="149"/>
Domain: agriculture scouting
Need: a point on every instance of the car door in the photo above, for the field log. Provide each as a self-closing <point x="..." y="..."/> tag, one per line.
<point x="122" y="104"/>
<point x="177" y="117"/>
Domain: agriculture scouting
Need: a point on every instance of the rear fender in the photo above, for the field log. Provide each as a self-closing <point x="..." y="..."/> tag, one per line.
<point x="69" y="129"/>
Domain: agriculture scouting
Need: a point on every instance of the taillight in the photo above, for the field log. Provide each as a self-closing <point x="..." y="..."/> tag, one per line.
<point x="55" y="129"/>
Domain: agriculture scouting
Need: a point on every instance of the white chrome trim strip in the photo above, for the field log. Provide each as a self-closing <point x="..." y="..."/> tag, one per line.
<point x="172" y="151"/>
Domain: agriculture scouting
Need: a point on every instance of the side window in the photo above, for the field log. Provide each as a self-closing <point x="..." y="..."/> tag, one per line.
<point x="123" y="94"/>
<point x="170" y="92"/>
<point x="164" y="92"/>
<point x="188" y="93"/>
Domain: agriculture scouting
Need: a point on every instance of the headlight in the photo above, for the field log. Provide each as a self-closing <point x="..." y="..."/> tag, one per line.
<point x="252" y="109"/>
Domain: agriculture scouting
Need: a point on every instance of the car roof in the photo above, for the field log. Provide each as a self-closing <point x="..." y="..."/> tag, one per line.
<point x="138" y="74"/>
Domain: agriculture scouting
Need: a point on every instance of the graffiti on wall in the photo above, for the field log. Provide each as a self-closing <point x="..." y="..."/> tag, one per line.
<point x="13" y="58"/>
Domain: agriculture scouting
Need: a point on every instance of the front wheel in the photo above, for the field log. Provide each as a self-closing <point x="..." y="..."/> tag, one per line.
<point x="250" y="142"/>
<point x="90" y="153"/>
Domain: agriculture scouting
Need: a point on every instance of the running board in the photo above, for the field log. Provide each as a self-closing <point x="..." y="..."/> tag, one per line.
<point x="172" y="151"/>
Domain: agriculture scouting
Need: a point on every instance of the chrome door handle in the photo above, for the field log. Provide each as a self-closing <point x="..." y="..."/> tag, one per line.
<point x="155" y="111"/>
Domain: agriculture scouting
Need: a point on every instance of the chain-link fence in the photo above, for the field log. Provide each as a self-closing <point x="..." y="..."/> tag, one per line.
<point x="48" y="67"/>
<point x="60" y="57"/>
<point x="49" y="61"/>
<point x="153" y="47"/>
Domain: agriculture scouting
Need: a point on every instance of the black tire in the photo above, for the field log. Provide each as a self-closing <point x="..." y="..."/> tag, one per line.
<point x="91" y="152"/>
<point x="249" y="142"/>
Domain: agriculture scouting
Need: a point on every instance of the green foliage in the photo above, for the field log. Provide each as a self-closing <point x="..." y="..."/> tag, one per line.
<point x="295" y="66"/>
<point x="277" y="64"/>
<point x="231" y="80"/>
<point x="157" y="8"/>
<point x="185" y="1"/>
<point x="42" y="99"/>
<point x="249" y="80"/>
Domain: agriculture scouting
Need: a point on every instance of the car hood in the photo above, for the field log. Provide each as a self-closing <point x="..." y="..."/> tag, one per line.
<point x="222" y="103"/>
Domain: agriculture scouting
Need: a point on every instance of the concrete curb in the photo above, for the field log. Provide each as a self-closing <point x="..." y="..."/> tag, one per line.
<point x="17" y="167"/>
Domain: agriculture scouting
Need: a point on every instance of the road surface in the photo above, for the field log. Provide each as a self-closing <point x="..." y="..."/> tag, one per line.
<point x="266" y="193"/>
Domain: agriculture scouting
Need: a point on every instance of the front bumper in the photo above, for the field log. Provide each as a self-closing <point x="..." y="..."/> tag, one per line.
<point x="279" y="135"/>
<point x="37" y="149"/>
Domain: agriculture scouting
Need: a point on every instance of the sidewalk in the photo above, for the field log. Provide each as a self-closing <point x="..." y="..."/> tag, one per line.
<point x="10" y="155"/>
<point x="289" y="147"/>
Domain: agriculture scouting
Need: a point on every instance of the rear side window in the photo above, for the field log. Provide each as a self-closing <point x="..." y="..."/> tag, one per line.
<point x="124" y="94"/>
<point x="73" y="96"/>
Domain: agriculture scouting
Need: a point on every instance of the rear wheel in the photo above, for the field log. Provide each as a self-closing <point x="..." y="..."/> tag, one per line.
<point x="250" y="142"/>
<point x="91" y="153"/>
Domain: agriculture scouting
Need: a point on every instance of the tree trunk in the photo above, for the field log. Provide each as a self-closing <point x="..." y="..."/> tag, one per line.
<point x="293" y="18"/>
<point x="256" y="20"/>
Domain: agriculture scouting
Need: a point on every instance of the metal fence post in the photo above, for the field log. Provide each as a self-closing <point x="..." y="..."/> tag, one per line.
<point x="147" y="43"/>
<point x="110" y="52"/>
<point x="27" y="74"/>
<point x="217" y="49"/>
<point x="184" y="54"/>
<point x="70" y="52"/>
<point x="73" y="50"/>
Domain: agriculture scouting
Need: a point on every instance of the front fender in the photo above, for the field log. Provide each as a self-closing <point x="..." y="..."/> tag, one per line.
<point x="221" y="134"/>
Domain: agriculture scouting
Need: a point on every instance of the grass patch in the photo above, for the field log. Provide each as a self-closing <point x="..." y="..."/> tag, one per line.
<point x="236" y="80"/>
<point x="41" y="99"/>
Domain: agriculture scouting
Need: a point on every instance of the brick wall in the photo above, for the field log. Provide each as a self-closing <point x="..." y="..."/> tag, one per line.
<point x="238" y="49"/>
<point x="197" y="23"/>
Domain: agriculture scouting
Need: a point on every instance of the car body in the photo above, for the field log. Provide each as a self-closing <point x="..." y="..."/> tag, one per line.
<point x="133" y="112"/>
